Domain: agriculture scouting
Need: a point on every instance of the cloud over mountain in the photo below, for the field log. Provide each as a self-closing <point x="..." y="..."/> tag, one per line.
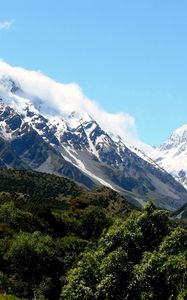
<point x="62" y="99"/>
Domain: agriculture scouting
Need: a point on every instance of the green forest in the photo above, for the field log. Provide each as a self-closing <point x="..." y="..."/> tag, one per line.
<point x="59" y="241"/>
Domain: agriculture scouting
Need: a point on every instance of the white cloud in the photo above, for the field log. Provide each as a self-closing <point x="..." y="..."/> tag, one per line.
<point x="6" y="25"/>
<point x="63" y="99"/>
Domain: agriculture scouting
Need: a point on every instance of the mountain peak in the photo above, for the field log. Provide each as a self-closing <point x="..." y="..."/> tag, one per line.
<point x="54" y="128"/>
<point x="178" y="137"/>
<point x="172" y="155"/>
<point x="180" y="132"/>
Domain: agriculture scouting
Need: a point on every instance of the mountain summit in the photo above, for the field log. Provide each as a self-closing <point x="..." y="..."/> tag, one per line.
<point x="172" y="155"/>
<point x="38" y="133"/>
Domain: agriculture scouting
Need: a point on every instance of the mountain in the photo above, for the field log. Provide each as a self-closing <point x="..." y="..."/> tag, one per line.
<point x="172" y="155"/>
<point x="58" y="192"/>
<point x="181" y="213"/>
<point x="34" y="135"/>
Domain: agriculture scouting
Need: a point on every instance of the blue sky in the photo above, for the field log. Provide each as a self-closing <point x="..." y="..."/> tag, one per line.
<point x="130" y="56"/>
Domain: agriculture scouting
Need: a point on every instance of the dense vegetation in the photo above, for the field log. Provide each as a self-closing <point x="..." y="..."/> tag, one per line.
<point x="59" y="241"/>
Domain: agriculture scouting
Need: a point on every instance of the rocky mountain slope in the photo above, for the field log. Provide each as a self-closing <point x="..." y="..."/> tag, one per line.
<point x="76" y="146"/>
<point x="181" y="213"/>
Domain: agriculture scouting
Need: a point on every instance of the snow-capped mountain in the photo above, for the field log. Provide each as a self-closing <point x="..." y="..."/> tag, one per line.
<point x="35" y="135"/>
<point x="172" y="155"/>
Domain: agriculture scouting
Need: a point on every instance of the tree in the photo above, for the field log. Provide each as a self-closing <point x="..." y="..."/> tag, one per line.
<point x="32" y="258"/>
<point x="176" y="242"/>
<point x="93" y="221"/>
<point x="154" y="226"/>
<point x="82" y="279"/>
<point x="115" y="272"/>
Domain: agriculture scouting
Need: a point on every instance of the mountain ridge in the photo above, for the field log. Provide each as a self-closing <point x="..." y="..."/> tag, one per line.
<point x="172" y="155"/>
<point x="74" y="145"/>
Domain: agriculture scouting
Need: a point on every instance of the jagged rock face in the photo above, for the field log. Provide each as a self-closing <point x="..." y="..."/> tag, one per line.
<point x="21" y="146"/>
<point x="172" y="155"/>
<point x="83" y="151"/>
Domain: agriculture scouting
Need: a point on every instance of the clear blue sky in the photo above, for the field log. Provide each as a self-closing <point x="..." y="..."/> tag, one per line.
<point x="129" y="56"/>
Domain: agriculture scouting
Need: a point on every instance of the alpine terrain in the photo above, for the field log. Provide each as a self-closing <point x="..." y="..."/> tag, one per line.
<point x="172" y="155"/>
<point x="34" y="135"/>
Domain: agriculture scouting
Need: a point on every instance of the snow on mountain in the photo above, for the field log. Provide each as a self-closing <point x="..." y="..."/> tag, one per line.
<point x="43" y="129"/>
<point x="58" y="99"/>
<point x="172" y="155"/>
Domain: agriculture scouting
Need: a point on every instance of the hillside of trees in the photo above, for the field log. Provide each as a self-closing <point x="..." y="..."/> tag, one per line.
<point x="59" y="241"/>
